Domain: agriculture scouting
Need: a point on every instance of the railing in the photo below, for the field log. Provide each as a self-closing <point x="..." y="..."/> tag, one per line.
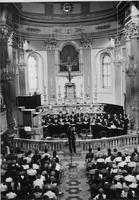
<point x="27" y="144"/>
<point x="3" y="122"/>
<point x="83" y="145"/>
<point x="113" y="142"/>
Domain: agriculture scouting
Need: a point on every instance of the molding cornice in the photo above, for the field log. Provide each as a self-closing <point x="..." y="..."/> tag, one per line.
<point x="73" y="19"/>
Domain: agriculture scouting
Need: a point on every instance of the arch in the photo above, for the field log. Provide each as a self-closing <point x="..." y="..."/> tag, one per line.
<point x="73" y="43"/>
<point x="35" y="71"/>
<point x="106" y="70"/>
<point x="69" y="54"/>
<point x="106" y="80"/>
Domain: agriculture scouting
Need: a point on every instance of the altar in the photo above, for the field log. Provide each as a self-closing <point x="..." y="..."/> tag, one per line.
<point x="70" y="93"/>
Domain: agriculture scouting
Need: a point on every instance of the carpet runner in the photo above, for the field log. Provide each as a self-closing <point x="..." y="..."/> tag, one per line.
<point x="74" y="181"/>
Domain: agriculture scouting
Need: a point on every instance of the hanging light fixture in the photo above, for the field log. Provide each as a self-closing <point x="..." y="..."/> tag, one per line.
<point x="7" y="72"/>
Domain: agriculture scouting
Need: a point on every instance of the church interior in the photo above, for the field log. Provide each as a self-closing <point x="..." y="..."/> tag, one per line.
<point x="69" y="100"/>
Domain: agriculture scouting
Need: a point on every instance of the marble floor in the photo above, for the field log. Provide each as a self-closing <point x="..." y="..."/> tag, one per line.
<point x="74" y="181"/>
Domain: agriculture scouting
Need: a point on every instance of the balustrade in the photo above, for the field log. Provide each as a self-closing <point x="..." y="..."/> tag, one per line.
<point x="60" y="145"/>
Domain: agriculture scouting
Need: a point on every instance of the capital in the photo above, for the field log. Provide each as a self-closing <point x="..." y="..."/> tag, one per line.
<point x="86" y="42"/>
<point x="131" y="30"/>
<point x="50" y="43"/>
<point x="11" y="38"/>
<point x="5" y="32"/>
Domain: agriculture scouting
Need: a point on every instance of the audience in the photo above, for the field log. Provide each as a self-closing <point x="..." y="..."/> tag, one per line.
<point x="30" y="175"/>
<point x="113" y="175"/>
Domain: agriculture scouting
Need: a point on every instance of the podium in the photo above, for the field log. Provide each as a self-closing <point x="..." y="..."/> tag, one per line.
<point x="70" y="93"/>
<point x="31" y="121"/>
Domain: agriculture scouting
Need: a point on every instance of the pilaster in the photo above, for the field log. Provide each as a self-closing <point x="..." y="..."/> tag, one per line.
<point x="131" y="32"/>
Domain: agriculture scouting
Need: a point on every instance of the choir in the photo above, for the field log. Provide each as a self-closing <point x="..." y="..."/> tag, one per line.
<point x="57" y="124"/>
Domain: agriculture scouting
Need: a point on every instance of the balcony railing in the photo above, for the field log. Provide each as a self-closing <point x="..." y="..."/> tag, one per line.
<point x="83" y="145"/>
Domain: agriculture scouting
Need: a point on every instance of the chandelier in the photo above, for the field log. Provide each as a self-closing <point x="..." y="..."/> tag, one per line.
<point x="7" y="71"/>
<point x="21" y="62"/>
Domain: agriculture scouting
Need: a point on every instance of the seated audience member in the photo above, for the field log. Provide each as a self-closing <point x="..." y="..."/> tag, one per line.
<point x="39" y="181"/>
<point x="45" y="153"/>
<point x="90" y="155"/>
<point x="55" y="156"/>
<point x="101" y="195"/>
<point x="49" y="193"/>
<point x="37" y="193"/>
<point x="98" y="154"/>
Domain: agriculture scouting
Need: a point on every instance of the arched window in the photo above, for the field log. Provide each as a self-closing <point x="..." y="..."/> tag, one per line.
<point x="69" y="55"/>
<point x="106" y="71"/>
<point x="32" y="74"/>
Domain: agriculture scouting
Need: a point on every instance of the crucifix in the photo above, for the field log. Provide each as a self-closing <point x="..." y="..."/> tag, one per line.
<point x="69" y="68"/>
<point x="69" y="64"/>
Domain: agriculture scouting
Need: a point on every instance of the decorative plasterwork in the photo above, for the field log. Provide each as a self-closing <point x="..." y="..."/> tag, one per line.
<point x="85" y="41"/>
<point x="32" y="29"/>
<point x="67" y="7"/>
<point x="131" y="30"/>
<point x="11" y="38"/>
<point x="131" y="70"/>
<point x="50" y="43"/>
<point x="102" y="27"/>
<point x="5" y="31"/>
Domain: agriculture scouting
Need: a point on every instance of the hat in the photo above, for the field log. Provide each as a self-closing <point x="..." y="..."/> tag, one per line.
<point x="11" y="195"/>
<point x="9" y="180"/>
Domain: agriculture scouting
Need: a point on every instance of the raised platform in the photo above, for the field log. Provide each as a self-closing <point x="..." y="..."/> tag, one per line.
<point x="92" y="108"/>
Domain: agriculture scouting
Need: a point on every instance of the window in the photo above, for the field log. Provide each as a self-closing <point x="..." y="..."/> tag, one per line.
<point x="69" y="56"/>
<point x="106" y="71"/>
<point x="32" y="74"/>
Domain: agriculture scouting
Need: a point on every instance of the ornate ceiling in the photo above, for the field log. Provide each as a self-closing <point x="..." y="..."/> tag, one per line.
<point x="67" y="20"/>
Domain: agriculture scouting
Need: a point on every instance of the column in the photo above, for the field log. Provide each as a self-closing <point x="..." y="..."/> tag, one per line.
<point x="86" y="44"/>
<point x="131" y="29"/>
<point x="51" y="70"/>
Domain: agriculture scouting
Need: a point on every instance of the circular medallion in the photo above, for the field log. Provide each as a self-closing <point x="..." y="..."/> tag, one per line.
<point x="67" y="7"/>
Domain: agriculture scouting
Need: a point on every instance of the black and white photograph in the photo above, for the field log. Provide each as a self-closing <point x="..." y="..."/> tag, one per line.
<point x="69" y="100"/>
